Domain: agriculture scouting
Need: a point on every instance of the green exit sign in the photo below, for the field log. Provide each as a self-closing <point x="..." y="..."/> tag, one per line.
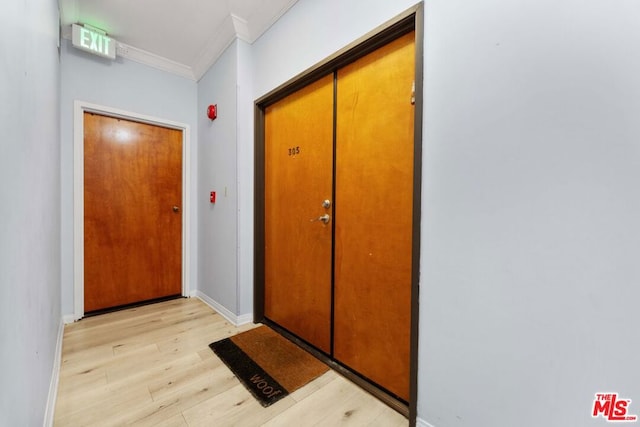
<point x="93" y="40"/>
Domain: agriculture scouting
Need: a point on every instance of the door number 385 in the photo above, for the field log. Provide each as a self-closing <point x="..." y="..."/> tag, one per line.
<point x="294" y="151"/>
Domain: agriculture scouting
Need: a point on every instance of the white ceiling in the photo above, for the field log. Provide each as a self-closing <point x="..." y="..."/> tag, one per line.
<point x="184" y="37"/>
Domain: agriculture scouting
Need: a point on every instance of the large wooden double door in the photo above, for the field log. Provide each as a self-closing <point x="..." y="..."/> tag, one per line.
<point x="339" y="158"/>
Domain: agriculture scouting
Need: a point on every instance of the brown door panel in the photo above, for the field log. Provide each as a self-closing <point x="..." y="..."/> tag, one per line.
<point x="132" y="212"/>
<point x="374" y="198"/>
<point x="298" y="178"/>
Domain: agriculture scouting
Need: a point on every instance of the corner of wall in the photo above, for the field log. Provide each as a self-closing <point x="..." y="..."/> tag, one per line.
<point x="236" y="320"/>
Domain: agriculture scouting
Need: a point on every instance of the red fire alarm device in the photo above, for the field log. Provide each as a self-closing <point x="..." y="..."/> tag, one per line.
<point x="212" y="111"/>
<point x="212" y="197"/>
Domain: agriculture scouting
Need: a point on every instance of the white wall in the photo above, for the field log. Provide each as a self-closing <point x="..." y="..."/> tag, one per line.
<point x="226" y="148"/>
<point x="30" y="208"/>
<point x="310" y="32"/>
<point x="217" y="163"/>
<point x="531" y="234"/>
<point x="530" y="204"/>
<point x="132" y="87"/>
<point x="245" y="178"/>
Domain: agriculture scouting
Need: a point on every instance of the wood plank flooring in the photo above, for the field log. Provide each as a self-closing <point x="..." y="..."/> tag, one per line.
<point x="151" y="366"/>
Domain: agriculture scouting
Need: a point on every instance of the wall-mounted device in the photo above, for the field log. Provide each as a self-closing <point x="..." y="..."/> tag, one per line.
<point x="94" y="40"/>
<point x="212" y="111"/>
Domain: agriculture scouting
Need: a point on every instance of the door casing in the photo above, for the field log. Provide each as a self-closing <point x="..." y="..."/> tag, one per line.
<point x="80" y="107"/>
<point x="410" y="20"/>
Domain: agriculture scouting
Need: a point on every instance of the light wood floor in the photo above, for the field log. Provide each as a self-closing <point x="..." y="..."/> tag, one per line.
<point x="151" y="366"/>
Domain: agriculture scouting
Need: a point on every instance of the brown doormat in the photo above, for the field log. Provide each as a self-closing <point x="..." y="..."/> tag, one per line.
<point x="269" y="365"/>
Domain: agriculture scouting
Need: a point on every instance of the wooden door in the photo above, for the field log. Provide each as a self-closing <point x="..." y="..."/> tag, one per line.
<point x="373" y="214"/>
<point x="298" y="179"/>
<point x="132" y="212"/>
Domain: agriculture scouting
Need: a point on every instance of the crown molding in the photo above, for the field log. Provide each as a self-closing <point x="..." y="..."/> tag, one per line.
<point x="156" y="61"/>
<point x="260" y="31"/>
<point x="144" y="57"/>
<point x="233" y="27"/>
<point x="214" y="47"/>
<point x="241" y="28"/>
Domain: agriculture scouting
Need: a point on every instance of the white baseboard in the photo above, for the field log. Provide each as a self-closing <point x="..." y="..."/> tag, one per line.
<point x="422" y="423"/>
<point x="69" y="318"/>
<point x="222" y="310"/>
<point x="243" y="319"/>
<point x="55" y="376"/>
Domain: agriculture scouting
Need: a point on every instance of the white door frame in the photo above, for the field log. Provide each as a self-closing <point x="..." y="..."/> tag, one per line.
<point x="79" y="108"/>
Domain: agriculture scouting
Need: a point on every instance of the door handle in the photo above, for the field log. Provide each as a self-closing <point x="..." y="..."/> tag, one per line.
<point x="176" y="209"/>
<point x="323" y="218"/>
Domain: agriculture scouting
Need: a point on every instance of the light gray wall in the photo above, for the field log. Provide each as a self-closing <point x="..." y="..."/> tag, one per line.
<point x="245" y="178"/>
<point x="30" y="208"/>
<point x="530" y="204"/>
<point x="129" y="86"/>
<point x="217" y="163"/>
<point x="531" y="235"/>
<point x="310" y="32"/>
<point x="226" y="147"/>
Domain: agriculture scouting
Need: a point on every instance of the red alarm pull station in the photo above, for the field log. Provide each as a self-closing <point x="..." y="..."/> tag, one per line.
<point x="212" y="197"/>
<point x="212" y="111"/>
